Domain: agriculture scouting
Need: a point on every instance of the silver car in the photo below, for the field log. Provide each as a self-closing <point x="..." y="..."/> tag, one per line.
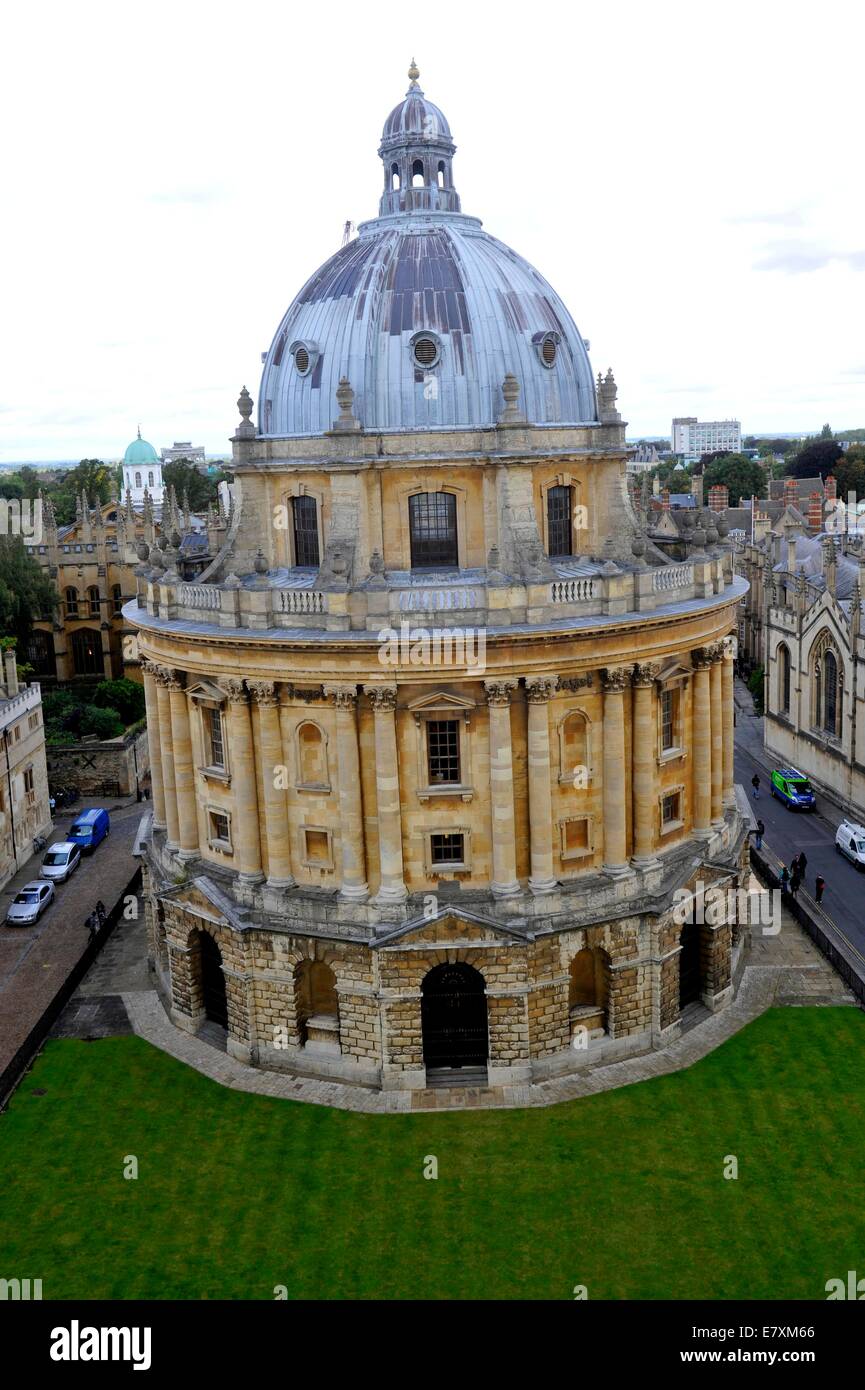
<point x="60" y="861"/>
<point x="30" y="902"/>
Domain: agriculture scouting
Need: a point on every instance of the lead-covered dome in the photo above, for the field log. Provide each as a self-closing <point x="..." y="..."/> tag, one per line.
<point x="424" y="313"/>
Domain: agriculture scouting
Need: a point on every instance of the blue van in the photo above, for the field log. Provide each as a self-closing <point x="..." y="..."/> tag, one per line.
<point x="89" y="829"/>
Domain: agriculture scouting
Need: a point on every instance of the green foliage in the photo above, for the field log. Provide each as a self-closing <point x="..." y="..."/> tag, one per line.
<point x="743" y="476"/>
<point x="200" y="488"/>
<point x="67" y="719"/>
<point x="26" y="592"/>
<point x="850" y="472"/>
<point x="817" y="456"/>
<point x="124" y="696"/>
<point x="92" y="476"/>
<point x="755" y="685"/>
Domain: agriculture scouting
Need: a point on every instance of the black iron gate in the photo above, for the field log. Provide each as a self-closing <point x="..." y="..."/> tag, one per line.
<point x="454" y="1017"/>
<point x="689" y="965"/>
<point x="213" y="981"/>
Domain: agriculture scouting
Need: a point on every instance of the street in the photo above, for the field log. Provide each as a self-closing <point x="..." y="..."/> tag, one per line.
<point x="787" y="831"/>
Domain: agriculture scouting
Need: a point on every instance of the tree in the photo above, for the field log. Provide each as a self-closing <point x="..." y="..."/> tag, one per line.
<point x="92" y="476"/>
<point x="200" y="488"/>
<point x="826" y="432"/>
<point x="26" y="592"/>
<point x="850" y="472"/>
<point x="124" y="696"/>
<point x="818" y="456"/>
<point x="743" y="476"/>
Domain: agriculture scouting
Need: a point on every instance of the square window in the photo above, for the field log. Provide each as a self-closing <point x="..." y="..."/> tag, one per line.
<point x="317" y="844"/>
<point x="447" y="849"/>
<point x="576" y="836"/>
<point x="219" y="827"/>
<point x="443" y="750"/>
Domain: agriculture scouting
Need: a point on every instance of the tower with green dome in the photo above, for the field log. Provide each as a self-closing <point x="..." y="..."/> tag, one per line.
<point x="142" y="471"/>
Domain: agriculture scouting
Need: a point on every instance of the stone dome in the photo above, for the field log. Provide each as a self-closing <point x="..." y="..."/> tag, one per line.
<point x="424" y="312"/>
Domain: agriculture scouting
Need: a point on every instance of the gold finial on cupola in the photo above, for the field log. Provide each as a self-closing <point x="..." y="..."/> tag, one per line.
<point x="414" y="73"/>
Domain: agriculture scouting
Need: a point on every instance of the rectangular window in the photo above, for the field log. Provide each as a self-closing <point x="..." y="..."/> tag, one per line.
<point x="432" y="520"/>
<point x="559" y="521"/>
<point x="575" y="836"/>
<point x="304" y="512"/>
<point x="219" y="827"/>
<point x="34" y="721"/>
<point x="670" y="808"/>
<point x="213" y="722"/>
<point x="443" y="748"/>
<point x="668" y="720"/>
<point x="447" y="849"/>
<point x="29" y="786"/>
<point x="317" y="844"/>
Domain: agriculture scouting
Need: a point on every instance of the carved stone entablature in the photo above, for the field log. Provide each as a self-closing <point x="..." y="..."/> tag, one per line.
<point x="382" y="697"/>
<point x="573" y="683"/>
<point x="499" y="692"/>
<point x="539" y="689"/>
<point x="615" y="679"/>
<point x="645" y="673"/>
<point x="342" y="696"/>
<point x="264" y="692"/>
<point x="307" y="696"/>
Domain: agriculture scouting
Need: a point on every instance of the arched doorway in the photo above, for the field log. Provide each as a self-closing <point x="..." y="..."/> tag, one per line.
<point x="212" y="981"/>
<point x="689" y="965"/>
<point x="454" y="1017"/>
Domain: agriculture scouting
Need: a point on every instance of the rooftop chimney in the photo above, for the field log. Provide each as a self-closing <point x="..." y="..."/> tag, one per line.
<point x="815" y="512"/>
<point x="10" y="674"/>
<point x="719" y="497"/>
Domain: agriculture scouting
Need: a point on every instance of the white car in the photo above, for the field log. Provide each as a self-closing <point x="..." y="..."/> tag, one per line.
<point x="850" y="841"/>
<point x="60" y="861"/>
<point x="29" y="903"/>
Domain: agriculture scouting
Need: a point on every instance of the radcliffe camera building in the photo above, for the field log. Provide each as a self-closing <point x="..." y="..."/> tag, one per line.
<point x="378" y="856"/>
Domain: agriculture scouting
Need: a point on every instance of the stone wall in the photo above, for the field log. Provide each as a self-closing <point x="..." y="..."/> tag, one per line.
<point x="88" y="765"/>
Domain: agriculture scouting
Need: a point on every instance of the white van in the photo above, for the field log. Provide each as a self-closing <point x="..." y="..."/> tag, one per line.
<point x="850" y="840"/>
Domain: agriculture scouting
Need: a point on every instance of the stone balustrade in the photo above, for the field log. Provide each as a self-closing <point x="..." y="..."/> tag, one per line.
<point x="457" y="602"/>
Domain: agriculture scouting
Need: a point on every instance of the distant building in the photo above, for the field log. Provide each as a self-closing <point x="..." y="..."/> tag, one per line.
<point x="24" y="807"/>
<point x="142" y="472"/>
<point x="183" y="449"/>
<point x="643" y="457"/>
<point x="692" y="438"/>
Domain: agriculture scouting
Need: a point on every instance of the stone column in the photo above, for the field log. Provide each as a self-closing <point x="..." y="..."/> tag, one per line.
<point x="615" y="683"/>
<point x="701" y="761"/>
<point x="645" y="745"/>
<point x="151" y="704"/>
<point x="728" y="712"/>
<point x="391" y="887"/>
<point x="172" y="827"/>
<point x="245" y="831"/>
<point x="273" y="779"/>
<point x="717" y="723"/>
<point x="539" y="692"/>
<point x="354" y="886"/>
<point x="184" y="780"/>
<point x="504" y="880"/>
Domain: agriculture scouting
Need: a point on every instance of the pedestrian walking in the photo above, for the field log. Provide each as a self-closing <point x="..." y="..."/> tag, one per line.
<point x="785" y="879"/>
<point x="758" y="835"/>
<point x="755" y="783"/>
<point x="795" y="880"/>
<point x="820" y="885"/>
<point x="803" y="862"/>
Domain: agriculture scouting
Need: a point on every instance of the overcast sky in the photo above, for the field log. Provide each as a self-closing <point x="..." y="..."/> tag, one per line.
<point x="688" y="176"/>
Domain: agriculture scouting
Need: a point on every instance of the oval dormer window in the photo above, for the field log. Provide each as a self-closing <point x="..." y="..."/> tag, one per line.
<point x="304" y="354"/>
<point x="301" y="359"/>
<point x="426" y="350"/>
<point x="547" y="345"/>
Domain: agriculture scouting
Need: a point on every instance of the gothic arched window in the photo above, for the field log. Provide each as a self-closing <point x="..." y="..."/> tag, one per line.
<point x="830" y="693"/>
<point x="72" y="603"/>
<point x="93" y="600"/>
<point x="783" y="679"/>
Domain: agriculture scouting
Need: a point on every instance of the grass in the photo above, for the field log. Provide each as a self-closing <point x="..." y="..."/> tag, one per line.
<point x="623" y="1192"/>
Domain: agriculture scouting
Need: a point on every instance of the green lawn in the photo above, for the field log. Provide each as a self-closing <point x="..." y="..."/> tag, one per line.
<point x="622" y="1192"/>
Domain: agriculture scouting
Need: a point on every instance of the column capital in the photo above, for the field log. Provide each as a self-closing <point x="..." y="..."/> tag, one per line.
<point x="382" y="697"/>
<point x="645" y="673"/>
<point x="235" y="690"/>
<point x="540" y="689"/>
<point x="171" y="678"/>
<point x="615" y="679"/>
<point x="702" y="658"/>
<point x="499" y="691"/>
<point x="342" y="696"/>
<point x="263" y="692"/>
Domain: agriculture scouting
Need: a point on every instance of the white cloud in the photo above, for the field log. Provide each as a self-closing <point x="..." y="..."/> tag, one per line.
<point x="176" y="172"/>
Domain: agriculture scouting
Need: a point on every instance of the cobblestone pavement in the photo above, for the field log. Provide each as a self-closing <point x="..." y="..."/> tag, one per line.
<point x="34" y="961"/>
<point x="786" y="969"/>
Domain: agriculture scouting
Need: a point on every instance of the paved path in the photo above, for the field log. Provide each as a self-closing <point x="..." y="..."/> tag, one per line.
<point x="35" y="960"/>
